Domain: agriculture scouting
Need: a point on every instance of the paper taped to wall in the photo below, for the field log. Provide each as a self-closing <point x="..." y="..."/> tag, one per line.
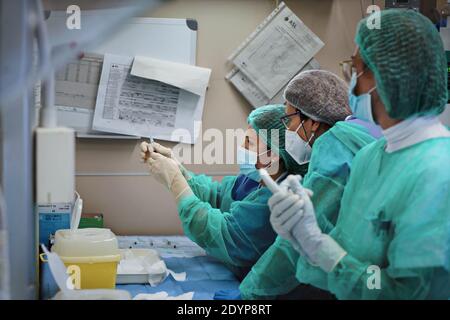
<point x="273" y="54"/>
<point x="247" y="88"/>
<point x="76" y="84"/>
<point x="190" y="78"/>
<point x="133" y="105"/>
<point x="253" y="94"/>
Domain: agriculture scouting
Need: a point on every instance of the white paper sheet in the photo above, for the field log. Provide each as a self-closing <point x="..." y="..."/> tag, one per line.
<point x="247" y="88"/>
<point x="190" y="78"/>
<point x="280" y="47"/>
<point x="279" y="97"/>
<point x="171" y="39"/>
<point x="132" y="105"/>
<point x="76" y="84"/>
<point x="253" y="94"/>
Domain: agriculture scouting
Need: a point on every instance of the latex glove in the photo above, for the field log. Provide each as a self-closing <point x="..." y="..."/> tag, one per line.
<point x="148" y="148"/>
<point x="166" y="152"/>
<point x="293" y="214"/>
<point x="167" y="172"/>
<point x="228" y="295"/>
<point x="286" y="208"/>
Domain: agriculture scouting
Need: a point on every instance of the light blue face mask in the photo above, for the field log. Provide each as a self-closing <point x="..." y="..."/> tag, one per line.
<point x="361" y="106"/>
<point x="247" y="160"/>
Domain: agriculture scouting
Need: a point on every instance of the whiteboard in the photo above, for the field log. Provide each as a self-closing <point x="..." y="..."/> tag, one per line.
<point x="166" y="39"/>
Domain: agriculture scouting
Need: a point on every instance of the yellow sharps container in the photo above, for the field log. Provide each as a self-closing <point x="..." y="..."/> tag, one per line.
<point x="91" y="256"/>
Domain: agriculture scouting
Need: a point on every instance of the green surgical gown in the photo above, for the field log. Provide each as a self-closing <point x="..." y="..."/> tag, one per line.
<point x="394" y="223"/>
<point x="333" y="152"/>
<point x="235" y="232"/>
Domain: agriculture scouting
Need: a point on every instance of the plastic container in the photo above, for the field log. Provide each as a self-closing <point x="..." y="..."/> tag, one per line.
<point x="94" y="251"/>
<point x="140" y="266"/>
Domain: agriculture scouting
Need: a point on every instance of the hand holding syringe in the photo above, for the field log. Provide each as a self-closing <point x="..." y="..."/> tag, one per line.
<point x="291" y="182"/>
<point x="147" y="147"/>
<point x="268" y="181"/>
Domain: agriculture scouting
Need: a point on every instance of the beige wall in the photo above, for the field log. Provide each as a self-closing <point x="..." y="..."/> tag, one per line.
<point x="109" y="176"/>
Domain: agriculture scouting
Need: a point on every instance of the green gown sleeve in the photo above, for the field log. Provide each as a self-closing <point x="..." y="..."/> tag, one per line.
<point x="237" y="236"/>
<point x="209" y="190"/>
<point x="326" y="198"/>
<point x="273" y="274"/>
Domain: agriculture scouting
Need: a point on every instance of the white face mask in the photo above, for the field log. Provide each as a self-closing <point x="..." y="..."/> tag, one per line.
<point x="298" y="149"/>
<point x="361" y="106"/>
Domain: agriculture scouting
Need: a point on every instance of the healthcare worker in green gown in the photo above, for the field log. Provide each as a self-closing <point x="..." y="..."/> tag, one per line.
<point x="312" y="99"/>
<point x="392" y="236"/>
<point x="230" y="219"/>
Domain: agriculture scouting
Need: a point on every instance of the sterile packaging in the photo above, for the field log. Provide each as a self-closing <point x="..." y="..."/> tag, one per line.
<point x="141" y="266"/>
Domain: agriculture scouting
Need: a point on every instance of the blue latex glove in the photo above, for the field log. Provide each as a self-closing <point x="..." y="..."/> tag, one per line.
<point x="228" y="295"/>
<point x="293" y="217"/>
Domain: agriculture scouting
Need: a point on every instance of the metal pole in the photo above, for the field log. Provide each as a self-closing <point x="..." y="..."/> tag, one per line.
<point x="17" y="117"/>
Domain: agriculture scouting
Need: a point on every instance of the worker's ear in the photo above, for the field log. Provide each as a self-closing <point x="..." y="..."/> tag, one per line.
<point x="315" y="126"/>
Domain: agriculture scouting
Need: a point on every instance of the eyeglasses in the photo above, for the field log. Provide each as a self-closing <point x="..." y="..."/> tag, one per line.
<point x="286" y="120"/>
